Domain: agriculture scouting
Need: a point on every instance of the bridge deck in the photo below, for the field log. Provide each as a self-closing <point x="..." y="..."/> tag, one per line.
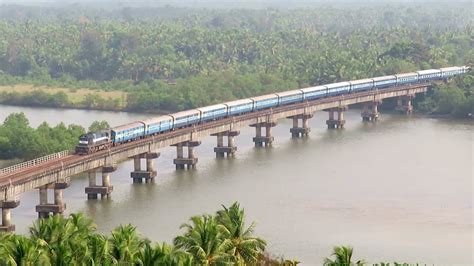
<point x="14" y="183"/>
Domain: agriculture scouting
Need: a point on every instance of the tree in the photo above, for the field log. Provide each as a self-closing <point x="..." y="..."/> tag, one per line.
<point x="126" y="244"/>
<point x="207" y="241"/>
<point x="21" y="250"/>
<point x="343" y="257"/>
<point x="246" y="247"/>
<point x="98" y="126"/>
<point x="164" y="254"/>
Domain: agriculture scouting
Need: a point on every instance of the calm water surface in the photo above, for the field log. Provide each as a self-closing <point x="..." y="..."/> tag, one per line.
<point x="400" y="189"/>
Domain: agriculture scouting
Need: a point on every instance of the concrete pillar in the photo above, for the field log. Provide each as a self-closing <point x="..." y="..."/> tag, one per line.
<point x="302" y="131"/>
<point x="370" y="111"/>
<point x="179" y="150"/>
<point x="7" y="206"/>
<point x="339" y="122"/>
<point x="44" y="208"/>
<point x="404" y="104"/>
<point x="6" y="217"/>
<point x="92" y="178"/>
<point x="259" y="140"/>
<point x="58" y="196"/>
<point x="137" y="163"/>
<point x="258" y="131"/>
<point x="331" y="114"/>
<point x="230" y="141"/>
<point x="105" y="189"/>
<point x="43" y="200"/>
<point x="43" y="195"/>
<point x="139" y="175"/>
<point x="189" y="162"/>
<point x="220" y="143"/>
<point x="305" y="122"/>
<point x="228" y="150"/>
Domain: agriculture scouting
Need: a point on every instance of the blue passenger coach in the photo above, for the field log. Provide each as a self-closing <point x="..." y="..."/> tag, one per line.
<point x="429" y="74"/>
<point x="313" y="93"/>
<point x="127" y="132"/>
<point x="288" y="97"/>
<point x="239" y="107"/>
<point x="186" y="118"/>
<point x="385" y="81"/>
<point x="338" y="88"/>
<point x="213" y="112"/>
<point x="158" y="125"/>
<point x="406" y="78"/>
<point x="265" y="101"/>
<point x="362" y="85"/>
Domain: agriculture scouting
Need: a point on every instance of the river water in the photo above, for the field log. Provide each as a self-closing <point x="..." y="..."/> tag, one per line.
<point x="400" y="189"/>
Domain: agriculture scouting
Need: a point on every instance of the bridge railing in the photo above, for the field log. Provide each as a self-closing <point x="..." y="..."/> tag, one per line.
<point x="33" y="162"/>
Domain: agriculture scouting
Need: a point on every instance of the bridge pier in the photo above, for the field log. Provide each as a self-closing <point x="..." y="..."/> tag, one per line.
<point x="302" y="131"/>
<point x="260" y="140"/>
<point x="93" y="190"/>
<point x="189" y="162"/>
<point x="228" y="150"/>
<point x="333" y="123"/>
<point x="7" y="206"/>
<point x="404" y="104"/>
<point x="370" y="112"/>
<point x="149" y="174"/>
<point x="44" y="209"/>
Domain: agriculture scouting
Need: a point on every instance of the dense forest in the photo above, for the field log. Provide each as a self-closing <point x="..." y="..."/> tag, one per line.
<point x="177" y="58"/>
<point x="219" y="239"/>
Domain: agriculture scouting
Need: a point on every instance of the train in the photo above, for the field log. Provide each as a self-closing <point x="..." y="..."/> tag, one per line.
<point x="96" y="141"/>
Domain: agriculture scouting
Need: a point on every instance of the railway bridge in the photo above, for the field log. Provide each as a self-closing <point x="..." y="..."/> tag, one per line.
<point x="55" y="171"/>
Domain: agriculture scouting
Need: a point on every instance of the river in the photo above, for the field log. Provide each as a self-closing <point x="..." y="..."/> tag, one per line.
<point x="397" y="190"/>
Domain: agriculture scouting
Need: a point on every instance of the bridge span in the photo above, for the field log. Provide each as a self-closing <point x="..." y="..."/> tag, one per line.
<point x="56" y="171"/>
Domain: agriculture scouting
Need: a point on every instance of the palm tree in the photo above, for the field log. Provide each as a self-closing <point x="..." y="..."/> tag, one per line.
<point x="343" y="257"/>
<point x="100" y="251"/>
<point x="66" y="239"/>
<point x="20" y="250"/>
<point x="126" y="244"/>
<point x="246" y="247"/>
<point x="164" y="255"/>
<point x="207" y="241"/>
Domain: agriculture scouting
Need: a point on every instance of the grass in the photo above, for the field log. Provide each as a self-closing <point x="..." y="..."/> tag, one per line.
<point x="74" y="95"/>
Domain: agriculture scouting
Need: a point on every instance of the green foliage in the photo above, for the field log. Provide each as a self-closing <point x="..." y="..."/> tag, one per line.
<point x="219" y="239"/>
<point x="19" y="140"/>
<point x="98" y="126"/>
<point x="247" y="248"/>
<point x="74" y="241"/>
<point x="35" y="98"/>
<point x="173" y="59"/>
<point x="343" y="257"/>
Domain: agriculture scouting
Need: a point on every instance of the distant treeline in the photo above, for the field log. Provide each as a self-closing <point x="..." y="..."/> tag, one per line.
<point x="175" y="59"/>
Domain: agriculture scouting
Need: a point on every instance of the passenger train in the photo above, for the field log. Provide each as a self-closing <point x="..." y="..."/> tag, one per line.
<point x="96" y="141"/>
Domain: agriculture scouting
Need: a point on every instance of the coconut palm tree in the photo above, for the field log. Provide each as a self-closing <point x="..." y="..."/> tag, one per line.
<point x="100" y="251"/>
<point x="66" y="239"/>
<point x="246" y="247"/>
<point x="164" y="254"/>
<point x="20" y="250"/>
<point x="126" y="244"/>
<point x="207" y="241"/>
<point x="343" y="257"/>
